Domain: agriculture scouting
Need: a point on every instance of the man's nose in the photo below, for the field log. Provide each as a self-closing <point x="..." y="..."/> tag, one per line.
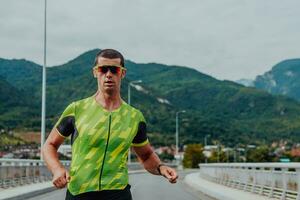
<point x="108" y="74"/>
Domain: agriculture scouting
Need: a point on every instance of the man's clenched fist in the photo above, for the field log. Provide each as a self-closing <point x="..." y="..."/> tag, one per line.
<point x="60" y="177"/>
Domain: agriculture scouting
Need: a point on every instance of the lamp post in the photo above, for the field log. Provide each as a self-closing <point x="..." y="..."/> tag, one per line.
<point x="205" y="144"/>
<point x="205" y="140"/>
<point x="227" y="155"/>
<point x="177" y="130"/>
<point x="234" y="155"/>
<point x="44" y="82"/>
<point x="218" y="150"/>
<point x="129" y="99"/>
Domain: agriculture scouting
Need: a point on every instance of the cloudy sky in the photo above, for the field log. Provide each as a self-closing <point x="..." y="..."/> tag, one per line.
<point x="228" y="39"/>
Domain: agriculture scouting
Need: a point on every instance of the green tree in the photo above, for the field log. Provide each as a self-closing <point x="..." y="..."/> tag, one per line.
<point x="193" y="155"/>
<point x="260" y="154"/>
<point x="214" y="156"/>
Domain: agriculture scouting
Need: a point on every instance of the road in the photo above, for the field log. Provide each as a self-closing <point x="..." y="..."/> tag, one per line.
<point x="145" y="187"/>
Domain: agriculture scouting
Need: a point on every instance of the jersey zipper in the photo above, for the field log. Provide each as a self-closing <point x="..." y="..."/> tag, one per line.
<point x="109" y="124"/>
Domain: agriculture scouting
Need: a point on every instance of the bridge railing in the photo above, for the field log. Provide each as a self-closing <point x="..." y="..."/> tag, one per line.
<point x="274" y="180"/>
<point x="17" y="172"/>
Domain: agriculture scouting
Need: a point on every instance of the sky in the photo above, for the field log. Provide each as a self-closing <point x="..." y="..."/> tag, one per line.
<point x="227" y="39"/>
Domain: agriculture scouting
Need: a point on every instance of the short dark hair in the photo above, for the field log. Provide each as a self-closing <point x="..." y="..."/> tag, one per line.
<point x="111" y="54"/>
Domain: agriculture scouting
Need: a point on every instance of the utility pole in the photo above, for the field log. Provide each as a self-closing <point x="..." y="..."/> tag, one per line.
<point x="44" y="83"/>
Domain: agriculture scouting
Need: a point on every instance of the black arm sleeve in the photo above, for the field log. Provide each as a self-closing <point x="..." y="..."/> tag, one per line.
<point x="66" y="126"/>
<point x="141" y="135"/>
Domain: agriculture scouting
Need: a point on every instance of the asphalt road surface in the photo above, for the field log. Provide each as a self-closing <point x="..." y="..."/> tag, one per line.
<point x="145" y="186"/>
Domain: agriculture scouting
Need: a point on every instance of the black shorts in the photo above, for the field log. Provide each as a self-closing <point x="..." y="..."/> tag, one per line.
<point x="124" y="194"/>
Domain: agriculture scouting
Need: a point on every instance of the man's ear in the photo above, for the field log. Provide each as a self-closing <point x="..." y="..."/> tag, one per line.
<point x="123" y="73"/>
<point x="95" y="73"/>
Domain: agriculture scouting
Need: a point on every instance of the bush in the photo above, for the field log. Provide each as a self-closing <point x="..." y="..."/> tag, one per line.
<point x="193" y="155"/>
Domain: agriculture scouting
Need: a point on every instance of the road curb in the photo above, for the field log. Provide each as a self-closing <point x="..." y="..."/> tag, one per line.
<point x="31" y="194"/>
<point x="192" y="182"/>
<point x="26" y="191"/>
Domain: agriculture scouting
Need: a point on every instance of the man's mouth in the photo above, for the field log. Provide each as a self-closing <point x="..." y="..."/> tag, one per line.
<point x="109" y="83"/>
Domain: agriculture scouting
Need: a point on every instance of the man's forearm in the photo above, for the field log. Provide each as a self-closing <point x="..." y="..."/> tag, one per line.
<point x="151" y="163"/>
<point x="50" y="156"/>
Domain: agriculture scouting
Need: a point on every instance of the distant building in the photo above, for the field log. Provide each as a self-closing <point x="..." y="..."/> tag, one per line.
<point x="209" y="149"/>
<point x="1" y="154"/>
<point x="8" y="155"/>
<point x="295" y="152"/>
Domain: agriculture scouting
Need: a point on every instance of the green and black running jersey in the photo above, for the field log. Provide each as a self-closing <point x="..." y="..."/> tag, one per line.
<point x="100" y="142"/>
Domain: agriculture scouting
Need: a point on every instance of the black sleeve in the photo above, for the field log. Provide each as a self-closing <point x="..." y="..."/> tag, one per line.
<point x="66" y="126"/>
<point x="141" y="135"/>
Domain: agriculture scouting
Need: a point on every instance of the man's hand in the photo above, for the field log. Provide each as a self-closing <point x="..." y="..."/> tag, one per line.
<point x="152" y="163"/>
<point x="60" y="177"/>
<point x="168" y="173"/>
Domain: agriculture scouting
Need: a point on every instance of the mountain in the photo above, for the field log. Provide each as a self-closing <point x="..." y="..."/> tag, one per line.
<point x="10" y="96"/>
<point x="14" y="103"/>
<point x="283" y="79"/>
<point x="22" y="74"/>
<point x="225" y="110"/>
<point x="246" y="82"/>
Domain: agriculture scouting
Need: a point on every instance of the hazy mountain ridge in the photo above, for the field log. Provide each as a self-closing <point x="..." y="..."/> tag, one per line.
<point x="283" y="79"/>
<point x="246" y="82"/>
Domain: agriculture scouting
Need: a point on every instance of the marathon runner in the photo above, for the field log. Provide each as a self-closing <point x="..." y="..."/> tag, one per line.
<point x="102" y="128"/>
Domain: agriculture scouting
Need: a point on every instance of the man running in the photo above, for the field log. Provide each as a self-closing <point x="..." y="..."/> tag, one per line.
<point x="102" y="129"/>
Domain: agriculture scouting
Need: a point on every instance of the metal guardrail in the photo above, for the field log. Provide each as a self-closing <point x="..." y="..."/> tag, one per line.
<point x="14" y="182"/>
<point x="17" y="172"/>
<point x="274" y="180"/>
<point x="27" y="162"/>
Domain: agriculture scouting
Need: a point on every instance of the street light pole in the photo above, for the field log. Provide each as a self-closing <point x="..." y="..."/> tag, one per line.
<point x="44" y="83"/>
<point x="177" y="130"/>
<point x="205" y="144"/>
<point x="227" y="154"/>
<point x="218" y="152"/>
<point x="129" y="98"/>
<point x="234" y="155"/>
<point x="205" y="140"/>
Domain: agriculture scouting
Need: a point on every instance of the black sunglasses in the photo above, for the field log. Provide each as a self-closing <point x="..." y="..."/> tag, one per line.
<point x="113" y="69"/>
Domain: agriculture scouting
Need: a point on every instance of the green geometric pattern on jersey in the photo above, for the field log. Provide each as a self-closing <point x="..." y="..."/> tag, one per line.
<point x="99" y="153"/>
